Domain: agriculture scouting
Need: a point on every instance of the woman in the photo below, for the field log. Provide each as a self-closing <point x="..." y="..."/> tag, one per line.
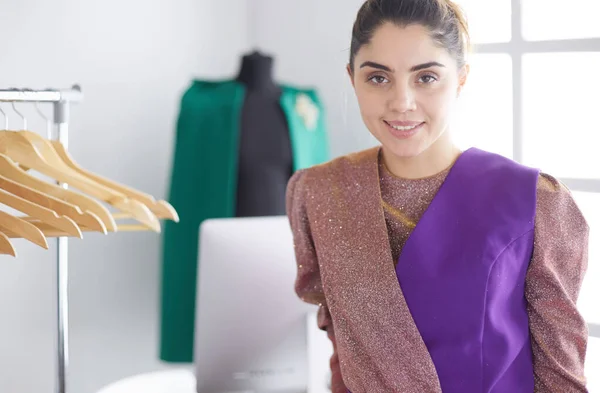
<point x="435" y="269"/>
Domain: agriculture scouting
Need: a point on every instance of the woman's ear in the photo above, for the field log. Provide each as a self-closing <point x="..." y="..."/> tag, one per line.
<point x="350" y="74"/>
<point x="462" y="78"/>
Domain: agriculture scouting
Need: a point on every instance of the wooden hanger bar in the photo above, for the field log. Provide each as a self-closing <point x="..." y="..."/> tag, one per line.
<point x="24" y="229"/>
<point x="50" y="231"/>
<point x="35" y="152"/>
<point x="40" y="212"/>
<point x="48" y="201"/>
<point x="74" y="202"/>
<point x="162" y="209"/>
<point x="6" y="247"/>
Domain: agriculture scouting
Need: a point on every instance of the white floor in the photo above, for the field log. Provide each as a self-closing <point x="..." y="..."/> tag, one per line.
<point x="170" y="381"/>
<point x="183" y="381"/>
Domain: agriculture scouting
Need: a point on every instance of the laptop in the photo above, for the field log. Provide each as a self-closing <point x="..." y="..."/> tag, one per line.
<point x="253" y="333"/>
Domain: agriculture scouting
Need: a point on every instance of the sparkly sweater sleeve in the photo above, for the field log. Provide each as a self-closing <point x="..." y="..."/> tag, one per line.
<point x="308" y="279"/>
<point x="558" y="331"/>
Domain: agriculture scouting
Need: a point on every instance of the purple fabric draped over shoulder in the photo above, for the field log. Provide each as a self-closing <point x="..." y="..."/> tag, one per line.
<point x="462" y="272"/>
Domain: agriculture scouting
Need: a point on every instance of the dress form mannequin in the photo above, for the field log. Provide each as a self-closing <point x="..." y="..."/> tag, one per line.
<point x="265" y="154"/>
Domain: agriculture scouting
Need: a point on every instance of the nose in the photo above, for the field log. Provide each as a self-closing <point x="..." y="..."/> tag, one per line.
<point x="402" y="99"/>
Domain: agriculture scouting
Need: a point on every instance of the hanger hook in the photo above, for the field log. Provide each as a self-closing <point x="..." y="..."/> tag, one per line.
<point x="5" y="118"/>
<point x="48" y="121"/>
<point x="20" y="115"/>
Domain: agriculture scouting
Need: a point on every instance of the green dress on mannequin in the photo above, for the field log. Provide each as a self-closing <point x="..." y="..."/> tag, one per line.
<point x="203" y="186"/>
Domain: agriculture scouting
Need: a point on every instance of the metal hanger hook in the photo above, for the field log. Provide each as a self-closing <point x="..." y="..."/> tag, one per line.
<point x="5" y="118"/>
<point x="48" y="120"/>
<point x="20" y="115"/>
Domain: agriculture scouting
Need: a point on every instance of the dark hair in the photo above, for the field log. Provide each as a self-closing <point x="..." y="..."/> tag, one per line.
<point x="445" y="20"/>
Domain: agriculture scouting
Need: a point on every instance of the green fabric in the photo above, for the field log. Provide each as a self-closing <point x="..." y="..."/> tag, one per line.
<point x="203" y="185"/>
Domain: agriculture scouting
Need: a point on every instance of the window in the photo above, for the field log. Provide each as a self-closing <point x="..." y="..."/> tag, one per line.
<point x="558" y="107"/>
<point x="490" y="91"/>
<point x="489" y="20"/>
<point x="531" y="96"/>
<point x="558" y="20"/>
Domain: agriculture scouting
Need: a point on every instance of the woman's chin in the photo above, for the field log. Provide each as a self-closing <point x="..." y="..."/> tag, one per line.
<point x="403" y="148"/>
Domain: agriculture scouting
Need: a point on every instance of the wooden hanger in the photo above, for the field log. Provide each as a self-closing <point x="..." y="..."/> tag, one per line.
<point x="87" y="219"/>
<point x="50" y="231"/>
<point x="49" y="195"/>
<point x="41" y="213"/>
<point x="6" y="247"/>
<point x="35" y="152"/>
<point x="46" y="151"/>
<point x="161" y="208"/>
<point x="23" y="229"/>
<point x="63" y="201"/>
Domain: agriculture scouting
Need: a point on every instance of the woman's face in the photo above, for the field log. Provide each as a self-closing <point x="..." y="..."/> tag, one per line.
<point x="406" y="88"/>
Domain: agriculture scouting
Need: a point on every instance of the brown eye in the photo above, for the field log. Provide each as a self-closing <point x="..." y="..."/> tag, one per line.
<point x="427" y="79"/>
<point x="378" y="80"/>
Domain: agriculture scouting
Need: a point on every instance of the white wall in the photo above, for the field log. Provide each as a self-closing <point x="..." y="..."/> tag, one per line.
<point x="133" y="59"/>
<point x="310" y="41"/>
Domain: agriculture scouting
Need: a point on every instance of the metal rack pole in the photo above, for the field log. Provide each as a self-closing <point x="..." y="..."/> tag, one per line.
<point x="61" y="122"/>
<point x="61" y="100"/>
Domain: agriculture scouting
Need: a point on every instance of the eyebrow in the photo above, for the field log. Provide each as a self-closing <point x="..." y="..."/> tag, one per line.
<point x="413" y="69"/>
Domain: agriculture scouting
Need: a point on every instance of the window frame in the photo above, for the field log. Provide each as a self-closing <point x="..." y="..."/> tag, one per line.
<point x="516" y="48"/>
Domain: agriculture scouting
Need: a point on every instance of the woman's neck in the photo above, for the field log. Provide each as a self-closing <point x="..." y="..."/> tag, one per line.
<point x="435" y="159"/>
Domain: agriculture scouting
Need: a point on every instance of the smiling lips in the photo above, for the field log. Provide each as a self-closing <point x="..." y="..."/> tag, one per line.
<point x="403" y="129"/>
<point x="404" y="125"/>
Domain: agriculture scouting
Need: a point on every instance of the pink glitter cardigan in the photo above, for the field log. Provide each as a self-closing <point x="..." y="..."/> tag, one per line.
<point x="385" y="207"/>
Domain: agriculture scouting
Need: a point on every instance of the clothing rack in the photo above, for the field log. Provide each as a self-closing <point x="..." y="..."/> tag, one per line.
<point x="61" y="100"/>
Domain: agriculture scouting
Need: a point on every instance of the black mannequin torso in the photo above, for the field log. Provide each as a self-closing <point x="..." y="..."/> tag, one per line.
<point x="265" y="154"/>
